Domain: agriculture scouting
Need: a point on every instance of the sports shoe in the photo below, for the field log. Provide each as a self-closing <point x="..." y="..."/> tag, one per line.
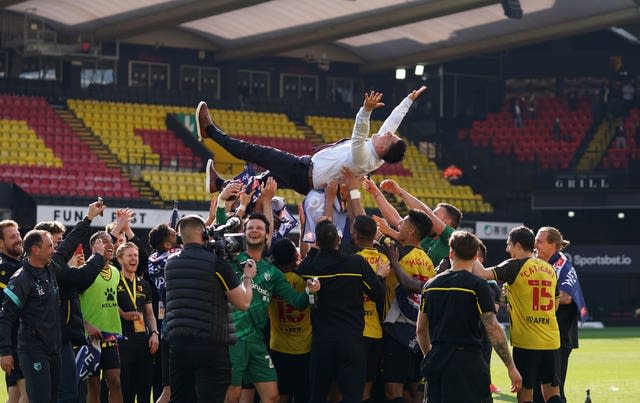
<point x="212" y="177"/>
<point x="203" y="119"/>
<point x="494" y="389"/>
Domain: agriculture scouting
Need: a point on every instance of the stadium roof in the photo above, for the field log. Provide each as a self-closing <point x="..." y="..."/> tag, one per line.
<point x="379" y="34"/>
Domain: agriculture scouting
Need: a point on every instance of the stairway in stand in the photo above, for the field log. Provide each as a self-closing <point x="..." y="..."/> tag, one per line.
<point x="111" y="161"/>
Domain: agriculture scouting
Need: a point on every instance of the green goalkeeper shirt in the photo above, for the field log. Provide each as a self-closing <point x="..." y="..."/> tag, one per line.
<point x="250" y="324"/>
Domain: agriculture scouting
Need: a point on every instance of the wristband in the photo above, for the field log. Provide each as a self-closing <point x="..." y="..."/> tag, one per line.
<point x="220" y="201"/>
<point x="156" y="332"/>
<point x="354" y="194"/>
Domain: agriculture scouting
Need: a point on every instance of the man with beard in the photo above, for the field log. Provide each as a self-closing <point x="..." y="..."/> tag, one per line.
<point x="32" y="298"/>
<point x="69" y="280"/>
<point x="102" y="321"/>
<point x="141" y="337"/>
<point x="251" y="362"/>
<point x="10" y="261"/>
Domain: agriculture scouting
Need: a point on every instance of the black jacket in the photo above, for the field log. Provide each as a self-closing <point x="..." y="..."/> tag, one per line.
<point x="32" y="298"/>
<point x="8" y="266"/>
<point x="71" y="279"/>
<point x="339" y="313"/>
<point x="197" y="305"/>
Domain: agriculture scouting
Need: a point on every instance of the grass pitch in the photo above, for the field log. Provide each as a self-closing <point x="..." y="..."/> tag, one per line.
<point x="607" y="362"/>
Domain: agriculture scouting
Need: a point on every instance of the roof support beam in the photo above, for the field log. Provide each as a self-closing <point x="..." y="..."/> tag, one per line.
<point x="170" y="17"/>
<point x="346" y="27"/>
<point x="511" y="40"/>
<point x="8" y="3"/>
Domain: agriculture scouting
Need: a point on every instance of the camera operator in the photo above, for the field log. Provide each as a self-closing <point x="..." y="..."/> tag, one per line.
<point x="198" y="284"/>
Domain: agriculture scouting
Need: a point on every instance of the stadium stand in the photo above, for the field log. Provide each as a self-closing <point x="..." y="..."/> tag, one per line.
<point x="617" y="154"/>
<point x="42" y="155"/>
<point x="533" y="142"/>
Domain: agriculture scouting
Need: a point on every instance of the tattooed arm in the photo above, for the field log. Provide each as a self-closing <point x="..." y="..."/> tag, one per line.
<point x="499" y="342"/>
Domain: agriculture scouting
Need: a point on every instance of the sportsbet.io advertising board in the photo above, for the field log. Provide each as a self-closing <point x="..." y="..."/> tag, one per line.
<point x="620" y="258"/>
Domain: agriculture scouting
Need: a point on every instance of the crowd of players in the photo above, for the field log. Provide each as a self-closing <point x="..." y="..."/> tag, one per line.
<point x="362" y="300"/>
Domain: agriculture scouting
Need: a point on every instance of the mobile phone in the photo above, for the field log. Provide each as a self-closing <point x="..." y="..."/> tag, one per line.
<point x="101" y="201"/>
<point x="79" y="249"/>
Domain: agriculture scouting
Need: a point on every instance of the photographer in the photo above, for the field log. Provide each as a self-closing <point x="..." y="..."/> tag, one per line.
<point x="198" y="284"/>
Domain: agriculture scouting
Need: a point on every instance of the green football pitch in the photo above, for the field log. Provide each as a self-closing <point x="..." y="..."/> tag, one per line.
<point x="607" y="362"/>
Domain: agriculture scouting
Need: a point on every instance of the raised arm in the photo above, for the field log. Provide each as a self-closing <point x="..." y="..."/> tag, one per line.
<point x="80" y="233"/>
<point x="388" y="211"/>
<point x="353" y="185"/>
<point x="413" y="202"/>
<point x="392" y="122"/>
<point x="359" y="152"/>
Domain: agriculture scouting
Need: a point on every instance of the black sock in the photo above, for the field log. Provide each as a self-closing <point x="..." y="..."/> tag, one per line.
<point x="396" y="400"/>
<point x="555" y="399"/>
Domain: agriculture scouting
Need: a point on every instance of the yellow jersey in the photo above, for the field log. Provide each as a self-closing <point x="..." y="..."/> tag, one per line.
<point x="532" y="290"/>
<point x="416" y="263"/>
<point x="290" y="327"/>
<point x="372" y="326"/>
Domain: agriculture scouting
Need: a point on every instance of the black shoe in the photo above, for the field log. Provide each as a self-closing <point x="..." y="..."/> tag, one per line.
<point x="213" y="181"/>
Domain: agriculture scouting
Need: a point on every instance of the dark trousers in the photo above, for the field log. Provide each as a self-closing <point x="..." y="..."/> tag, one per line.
<point x="342" y="361"/>
<point x="135" y="369"/>
<point x="200" y="371"/>
<point x="564" y="364"/>
<point x="289" y="170"/>
<point x="293" y="375"/>
<point x="41" y="374"/>
<point x="456" y="375"/>
<point x="68" y="385"/>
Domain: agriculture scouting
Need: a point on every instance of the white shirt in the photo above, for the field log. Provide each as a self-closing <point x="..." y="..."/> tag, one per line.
<point x="358" y="154"/>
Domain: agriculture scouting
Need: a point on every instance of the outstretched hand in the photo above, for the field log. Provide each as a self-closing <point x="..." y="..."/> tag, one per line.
<point x="372" y="101"/>
<point x="391" y="186"/>
<point x="416" y="93"/>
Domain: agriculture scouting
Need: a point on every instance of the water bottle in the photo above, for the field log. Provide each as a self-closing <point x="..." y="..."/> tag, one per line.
<point x="588" y="398"/>
<point x="313" y="297"/>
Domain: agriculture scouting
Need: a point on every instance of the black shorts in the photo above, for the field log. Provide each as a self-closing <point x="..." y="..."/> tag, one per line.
<point x="16" y="374"/>
<point x="399" y="363"/>
<point x="537" y="364"/>
<point x="456" y="375"/>
<point x="110" y="357"/>
<point x="292" y="370"/>
<point x="373" y="349"/>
